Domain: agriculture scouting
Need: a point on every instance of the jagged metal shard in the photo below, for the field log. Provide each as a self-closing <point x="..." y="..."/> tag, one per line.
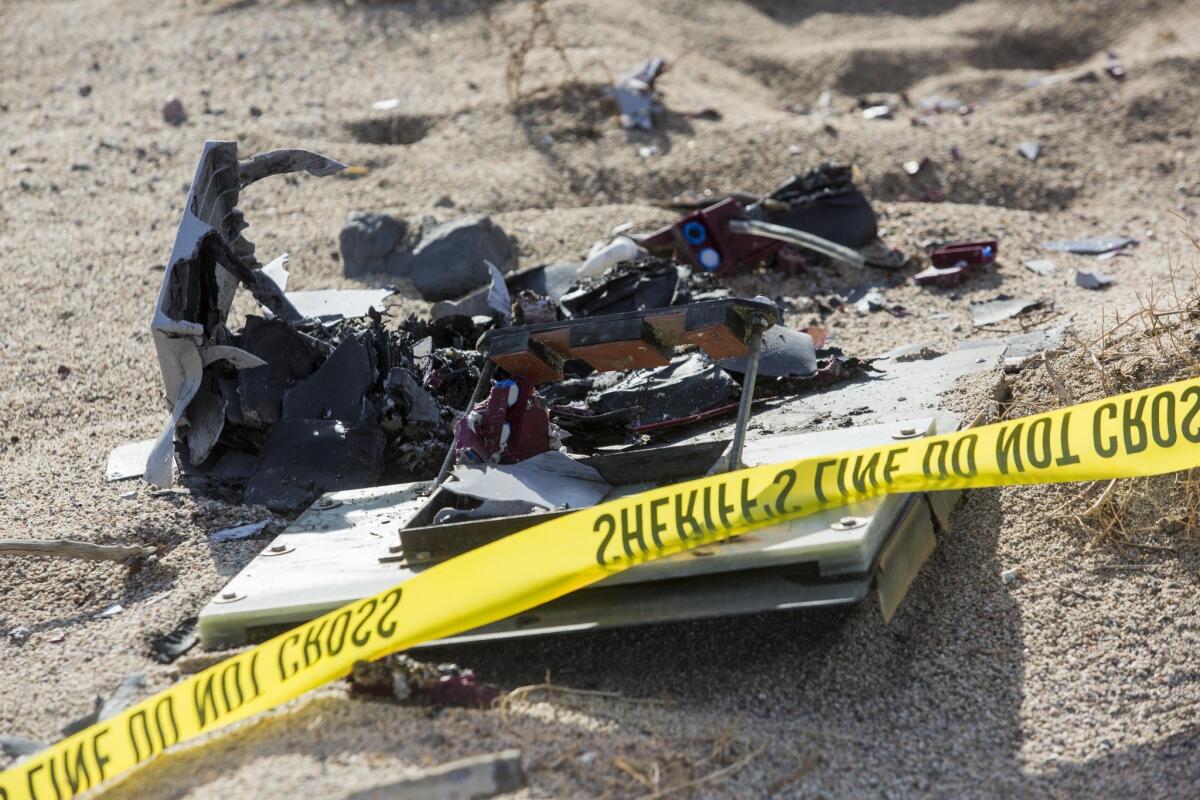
<point x="210" y="258"/>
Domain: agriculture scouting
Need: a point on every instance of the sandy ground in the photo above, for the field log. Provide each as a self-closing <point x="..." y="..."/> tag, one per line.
<point x="1079" y="679"/>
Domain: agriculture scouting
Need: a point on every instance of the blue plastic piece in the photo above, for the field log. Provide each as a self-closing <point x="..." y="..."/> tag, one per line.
<point x="710" y="259"/>
<point x="694" y="232"/>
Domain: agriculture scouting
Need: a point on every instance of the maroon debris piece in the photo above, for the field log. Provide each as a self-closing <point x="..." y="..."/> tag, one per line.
<point x="511" y="424"/>
<point x="970" y="253"/>
<point x="703" y="239"/>
<point x="461" y="689"/>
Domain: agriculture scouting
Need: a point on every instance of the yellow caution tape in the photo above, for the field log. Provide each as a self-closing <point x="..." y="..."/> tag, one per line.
<point x="1142" y="433"/>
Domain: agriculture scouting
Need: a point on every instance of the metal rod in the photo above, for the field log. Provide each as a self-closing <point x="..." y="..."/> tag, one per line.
<point x="799" y="238"/>
<point x="758" y="326"/>
<point x="485" y="379"/>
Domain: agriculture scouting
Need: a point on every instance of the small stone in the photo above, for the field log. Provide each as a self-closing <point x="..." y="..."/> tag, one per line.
<point x="173" y="113"/>
<point x="1010" y="576"/>
<point x="1030" y="150"/>
<point x="1170" y="527"/>
<point x="19" y="635"/>
<point x="255" y="111"/>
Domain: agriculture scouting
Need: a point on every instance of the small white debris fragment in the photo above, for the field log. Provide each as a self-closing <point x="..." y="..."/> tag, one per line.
<point x="111" y="611"/>
<point x="243" y="531"/>
<point x="588" y="758"/>
<point x="912" y="167"/>
<point x="1042" y="266"/>
<point x="648" y="150"/>
<point x="1030" y="150"/>
<point x="129" y="495"/>
<point x="877" y="112"/>
<point x="391" y="104"/>
<point x="1010" y="576"/>
<point x="19" y="635"/>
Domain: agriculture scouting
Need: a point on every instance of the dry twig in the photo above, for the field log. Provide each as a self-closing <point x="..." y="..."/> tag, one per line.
<point x="710" y="777"/>
<point x="70" y="548"/>
<point x="521" y="692"/>
<point x="1060" y="389"/>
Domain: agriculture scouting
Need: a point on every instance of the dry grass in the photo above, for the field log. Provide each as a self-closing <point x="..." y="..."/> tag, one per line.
<point x="1158" y="343"/>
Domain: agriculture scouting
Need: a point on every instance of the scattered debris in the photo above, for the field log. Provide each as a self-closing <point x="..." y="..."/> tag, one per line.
<point x="1022" y="346"/>
<point x="548" y="480"/>
<point x="475" y="777"/>
<point x="605" y="255"/>
<point x="124" y="696"/>
<point x="687" y="385"/>
<point x="493" y="300"/>
<point x="636" y="97"/>
<point x="979" y="253"/>
<point x="953" y="261"/>
<point x="877" y="112"/>
<point x="873" y="300"/>
<point x="825" y="202"/>
<point x="70" y="548"/>
<point x="166" y="647"/>
<point x="1042" y="266"/>
<point x="1000" y="308"/>
<point x="244" y="531"/>
<point x="17" y="747"/>
<point x="1091" y="247"/>
<point x="1091" y="279"/>
<point x="943" y="105"/>
<point x="110" y="611"/>
<point x="786" y="353"/>
<point x="531" y="308"/>
<point x="391" y="104"/>
<point x="1030" y="150"/>
<point x="128" y="460"/>
<point x="20" y="634"/>
<point x="932" y="276"/>
<point x="404" y="678"/>
<point x="299" y="401"/>
<point x="648" y="282"/>
<point x="510" y="424"/>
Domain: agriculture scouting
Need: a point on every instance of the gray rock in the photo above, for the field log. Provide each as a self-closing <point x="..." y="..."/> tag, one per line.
<point x="449" y="261"/>
<point x="372" y="243"/>
<point x="444" y="261"/>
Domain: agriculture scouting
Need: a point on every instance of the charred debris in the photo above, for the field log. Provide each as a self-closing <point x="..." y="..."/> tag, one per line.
<point x="326" y="390"/>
